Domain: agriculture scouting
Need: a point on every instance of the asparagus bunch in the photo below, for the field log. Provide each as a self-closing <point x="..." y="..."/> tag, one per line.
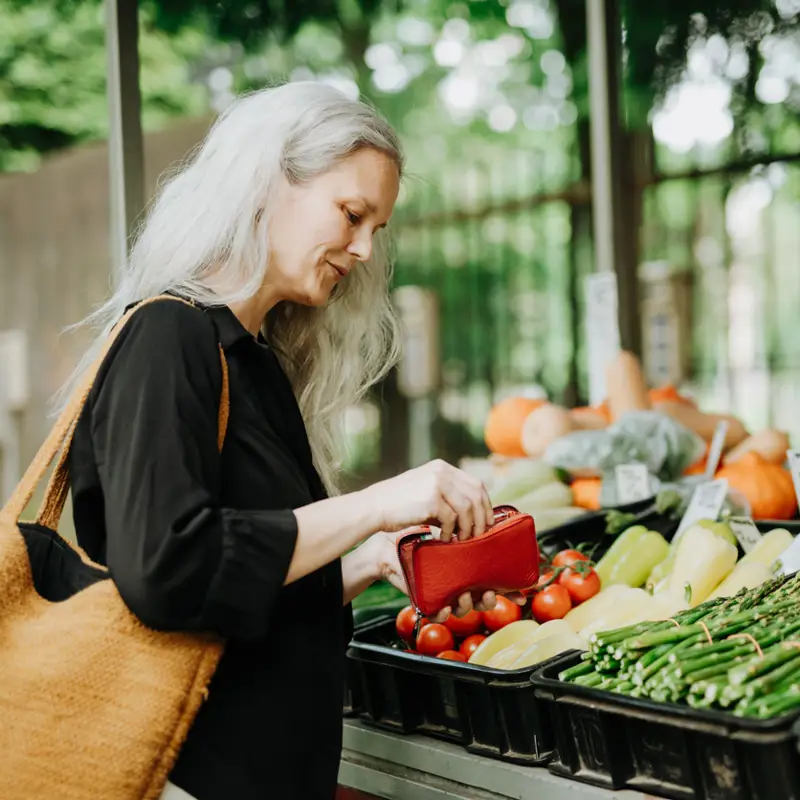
<point x="740" y="653"/>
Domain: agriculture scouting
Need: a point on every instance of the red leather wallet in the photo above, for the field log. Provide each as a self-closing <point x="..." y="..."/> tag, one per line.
<point x="505" y="559"/>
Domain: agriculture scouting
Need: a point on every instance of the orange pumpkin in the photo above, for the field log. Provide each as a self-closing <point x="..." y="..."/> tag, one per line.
<point x="767" y="486"/>
<point x="504" y="426"/>
<point x="586" y="493"/>
<point x="699" y="466"/>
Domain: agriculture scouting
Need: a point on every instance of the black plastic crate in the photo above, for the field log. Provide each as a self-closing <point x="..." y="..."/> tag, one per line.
<point x="617" y="742"/>
<point x="363" y="617"/>
<point x="491" y="712"/>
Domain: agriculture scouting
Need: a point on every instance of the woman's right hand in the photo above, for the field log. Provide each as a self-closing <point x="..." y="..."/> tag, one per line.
<point x="436" y="493"/>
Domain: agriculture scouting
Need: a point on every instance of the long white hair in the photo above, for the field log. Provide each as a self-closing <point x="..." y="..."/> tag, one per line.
<point x="210" y="221"/>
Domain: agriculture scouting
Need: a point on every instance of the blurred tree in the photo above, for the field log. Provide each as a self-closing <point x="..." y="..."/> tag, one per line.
<point x="53" y="77"/>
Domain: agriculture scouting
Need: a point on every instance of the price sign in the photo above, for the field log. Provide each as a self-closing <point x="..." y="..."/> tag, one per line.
<point x="794" y="466"/>
<point x="706" y="503"/>
<point x="789" y="559"/>
<point x="744" y="529"/>
<point x="633" y="483"/>
<point x="715" y="450"/>
<point x="602" y="330"/>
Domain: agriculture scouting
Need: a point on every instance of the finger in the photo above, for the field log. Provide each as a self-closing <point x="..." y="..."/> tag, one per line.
<point x="517" y="597"/>
<point x="481" y="520"/>
<point x="447" y="519"/>
<point x="488" y="601"/>
<point x="461" y="504"/>
<point x="487" y="504"/>
<point x="464" y="605"/>
<point x="442" y="615"/>
<point x="472" y="488"/>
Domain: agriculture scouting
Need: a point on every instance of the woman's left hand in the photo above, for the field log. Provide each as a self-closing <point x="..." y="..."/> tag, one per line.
<point x="383" y="548"/>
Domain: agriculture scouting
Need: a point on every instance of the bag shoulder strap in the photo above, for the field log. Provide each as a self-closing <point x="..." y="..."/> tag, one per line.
<point x="60" y="436"/>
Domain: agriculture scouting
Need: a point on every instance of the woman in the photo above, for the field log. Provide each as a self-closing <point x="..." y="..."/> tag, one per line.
<point x="275" y="231"/>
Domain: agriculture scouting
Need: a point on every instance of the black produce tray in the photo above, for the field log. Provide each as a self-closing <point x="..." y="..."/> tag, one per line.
<point x="617" y="742"/>
<point x="490" y="712"/>
<point x="363" y="617"/>
<point x="591" y="528"/>
<point x="766" y="525"/>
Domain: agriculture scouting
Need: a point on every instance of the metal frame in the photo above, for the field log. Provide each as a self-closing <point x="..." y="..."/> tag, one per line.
<point x="125" y="141"/>
<point x="615" y="243"/>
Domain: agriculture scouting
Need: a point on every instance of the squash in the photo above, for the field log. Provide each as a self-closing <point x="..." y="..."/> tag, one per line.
<point x="586" y="493"/>
<point x="668" y="392"/>
<point x="627" y="390"/>
<point x="544" y="425"/>
<point x="703" y="424"/>
<point x="769" y="444"/>
<point x="504" y="425"/>
<point x="768" y="487"/>
<point x="588" y="418"/>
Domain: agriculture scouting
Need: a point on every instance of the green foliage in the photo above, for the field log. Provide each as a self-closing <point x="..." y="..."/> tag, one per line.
<point x="53" y="77"/>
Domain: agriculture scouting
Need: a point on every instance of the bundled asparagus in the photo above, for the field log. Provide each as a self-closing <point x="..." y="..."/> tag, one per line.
<point x="740" y="653"/>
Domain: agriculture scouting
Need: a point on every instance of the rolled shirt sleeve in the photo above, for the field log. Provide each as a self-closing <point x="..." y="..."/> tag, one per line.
<point x="179" y="560"/>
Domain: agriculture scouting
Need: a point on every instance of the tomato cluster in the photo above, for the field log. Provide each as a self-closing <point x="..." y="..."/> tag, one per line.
<point x="567" y="581"/>
<point x="457" y="638"/>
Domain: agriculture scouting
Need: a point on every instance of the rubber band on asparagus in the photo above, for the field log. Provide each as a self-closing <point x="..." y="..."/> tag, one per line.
<point x="751" y="639"/>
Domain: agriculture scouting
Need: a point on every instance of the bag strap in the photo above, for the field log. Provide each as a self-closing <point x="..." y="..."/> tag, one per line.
<point x="60" y="436"/>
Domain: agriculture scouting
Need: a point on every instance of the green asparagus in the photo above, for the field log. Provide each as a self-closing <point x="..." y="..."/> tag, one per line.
<point x="741" y="654"/>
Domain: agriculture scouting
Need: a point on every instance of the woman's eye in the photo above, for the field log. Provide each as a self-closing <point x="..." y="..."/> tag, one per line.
<point x="352" y="218"/>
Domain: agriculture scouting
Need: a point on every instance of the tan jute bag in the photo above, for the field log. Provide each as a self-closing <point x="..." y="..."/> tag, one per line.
<point x="93" y="705"/>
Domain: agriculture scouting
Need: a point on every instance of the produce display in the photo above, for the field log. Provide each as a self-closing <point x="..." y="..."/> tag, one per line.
<point x="682" y="614"/>
<point x="531" y="486"/>
<point x="657" y="427"/>
<point x="501" y="638"/>
<point x="740" y="654"/>
<point x="457" y="638"/>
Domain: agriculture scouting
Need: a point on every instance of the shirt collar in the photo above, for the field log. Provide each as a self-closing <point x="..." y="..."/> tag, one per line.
<point x="229" y="329"/>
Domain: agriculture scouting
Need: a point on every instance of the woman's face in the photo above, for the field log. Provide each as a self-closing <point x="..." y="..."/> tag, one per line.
<point x="323" y="229"/>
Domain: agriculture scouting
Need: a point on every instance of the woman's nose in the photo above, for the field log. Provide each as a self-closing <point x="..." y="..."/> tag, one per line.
<point x="361" y="246"/>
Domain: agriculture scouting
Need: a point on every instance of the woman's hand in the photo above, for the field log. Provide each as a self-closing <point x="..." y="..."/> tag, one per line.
<point x="435" y="493"/>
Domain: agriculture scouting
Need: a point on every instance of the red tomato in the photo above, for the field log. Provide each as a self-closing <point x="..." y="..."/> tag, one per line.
<point x="405" y="622"/>
<point x="466" y="625"/>
<point x="434" y="638"/>
<point x="471" y="644"/>
<point x="566" y="558"/>
<point x="504" y="613"/>
<point x="452" y="655"/>
<point x="551" y="603"/>
<point x="580" y="587"/>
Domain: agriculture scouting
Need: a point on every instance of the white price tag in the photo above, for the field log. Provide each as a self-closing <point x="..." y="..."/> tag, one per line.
<point x="744" y="529"/>
<point x="602" y="330"/>
<point x="633" y="483"/>
<point x="715" y="450"/>
<point x="706" y="503"/>
<point x="790" y="558"/>
<point x="794" y="466"/>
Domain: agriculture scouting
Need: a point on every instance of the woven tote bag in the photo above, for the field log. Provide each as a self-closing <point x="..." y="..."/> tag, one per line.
<point x="93" y="704"/>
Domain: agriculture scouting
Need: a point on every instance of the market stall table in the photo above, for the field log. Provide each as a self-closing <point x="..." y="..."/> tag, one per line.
<point x="386" y="765"/>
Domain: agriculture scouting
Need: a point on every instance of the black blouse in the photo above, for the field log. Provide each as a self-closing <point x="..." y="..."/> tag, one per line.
<point x="198" y="540"/>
